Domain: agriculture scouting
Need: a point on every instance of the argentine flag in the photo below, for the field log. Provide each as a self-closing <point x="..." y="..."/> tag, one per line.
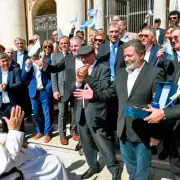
<point x="91" y="12"/>
<point x="169" y="50"/>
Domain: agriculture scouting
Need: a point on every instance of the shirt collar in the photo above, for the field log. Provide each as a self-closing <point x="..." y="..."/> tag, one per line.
<point x="115" y="44"/>
<point x="135" y="70"/>
<point x="20" y="53"/>
<point x="149" y="49"/>
<point x="93" y="64"/>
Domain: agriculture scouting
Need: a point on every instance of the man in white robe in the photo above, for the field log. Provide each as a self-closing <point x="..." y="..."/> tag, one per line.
<point x="34" y="162"/>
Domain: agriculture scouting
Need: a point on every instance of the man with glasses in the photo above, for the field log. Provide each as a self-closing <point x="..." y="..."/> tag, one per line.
<point x="55" y="39"/>
<point x="147" y="37"/>
<point x="174" y="18"/>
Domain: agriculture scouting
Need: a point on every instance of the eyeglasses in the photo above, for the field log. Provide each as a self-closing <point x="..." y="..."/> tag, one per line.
<point x="174" y="37"/>
<point x="98" y="40"/>
<point x="172" y="18"/>
<point x="54" y="35"/>
<point x="47" y="46"/>
<point x="143" y="35"/>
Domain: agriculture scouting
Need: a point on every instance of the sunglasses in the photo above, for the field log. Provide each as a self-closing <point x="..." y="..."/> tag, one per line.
<point x="174" y="37"/>
<point x="98" y="40"/>
<point x="143" y="35"/>
<point x="172" y="18"/>
<point x="9" y="52"/>
<point x="47" y="46"/>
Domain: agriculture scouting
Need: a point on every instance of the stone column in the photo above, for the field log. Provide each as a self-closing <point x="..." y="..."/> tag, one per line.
<point x="13" y="23"/>
<point x="160" y="12"/>
<point x="99" y="4"/>
<point x="66" y="11"/>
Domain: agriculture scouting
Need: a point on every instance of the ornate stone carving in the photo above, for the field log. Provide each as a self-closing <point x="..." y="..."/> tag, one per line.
<point x="45" y="22"/>
<point x="30" y="4"/>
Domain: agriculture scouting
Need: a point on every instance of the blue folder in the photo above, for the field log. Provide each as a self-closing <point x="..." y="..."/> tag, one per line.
<point x="164" y="91"/>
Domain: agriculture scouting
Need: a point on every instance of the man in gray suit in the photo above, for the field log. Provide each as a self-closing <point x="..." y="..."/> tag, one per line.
<point x="134" y="85"/>
<point x="58" y="85"/>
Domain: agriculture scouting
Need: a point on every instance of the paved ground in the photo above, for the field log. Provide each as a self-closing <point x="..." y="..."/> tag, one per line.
<point x="76" y="164"/>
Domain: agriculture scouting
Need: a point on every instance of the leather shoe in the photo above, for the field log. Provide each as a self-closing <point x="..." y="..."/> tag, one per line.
<point x="78" y="146"/>
<point x="163" y="154"/>
<point x="89" y="173"/>
<point x="116" y="175"/>
<point x="47" y="139"/>
<point x="38" y="135"/>
<point x="75" y="137"/>
<point x="64" y="141"/>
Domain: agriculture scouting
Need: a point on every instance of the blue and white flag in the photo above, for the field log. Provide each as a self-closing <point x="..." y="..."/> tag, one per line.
<point x="150" y="12"/>
<point x="74" y="19"/>
<point x="91" y="12"/>
<point x="86" y="24"/>
<point x="59" y="33"/>
<point x="176" y="8"/>
<point x="169" y="50"/>
<point x="35" y="48"/>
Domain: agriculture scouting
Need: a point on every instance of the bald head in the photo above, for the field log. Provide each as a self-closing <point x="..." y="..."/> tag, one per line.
<point x="10" y="53"/>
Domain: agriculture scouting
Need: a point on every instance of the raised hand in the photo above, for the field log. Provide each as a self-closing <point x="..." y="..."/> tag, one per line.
<point x="28" y="63"/>
<point x="84" y="93"/>
<point x="81" y="74"/>
<point x="17" y="115"/>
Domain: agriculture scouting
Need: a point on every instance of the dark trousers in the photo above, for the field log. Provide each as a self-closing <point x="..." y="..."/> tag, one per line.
<point x="63" y="118"/>
<point x="137" y="158"/>
<point x="175" y="160"/>
<point x="95" y="138"/>
<point x="41" y="104"/>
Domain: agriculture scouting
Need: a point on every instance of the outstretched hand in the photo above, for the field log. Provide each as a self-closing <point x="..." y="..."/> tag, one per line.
<point x="16" y="117"/>
<point x="86" y="93"/>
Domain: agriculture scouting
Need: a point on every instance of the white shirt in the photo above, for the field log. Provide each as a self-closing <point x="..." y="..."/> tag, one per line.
<point x="148" y="52"/>
<point x="132" y="76"/>
<point x="37" y="71"/>
<point x="157" y="34"/>
<point x="5" y="97"/>
<point x="20" y="57"/>
<point x="178" y="55"/>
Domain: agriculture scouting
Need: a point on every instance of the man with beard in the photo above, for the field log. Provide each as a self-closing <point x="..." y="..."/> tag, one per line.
<point x="134" y="85"/>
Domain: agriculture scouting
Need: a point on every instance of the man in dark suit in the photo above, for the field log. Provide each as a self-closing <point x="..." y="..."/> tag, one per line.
<point x="40" y="94"/>
<point x="20" y="56"/>
<point x="58" y="85"/>
<point x="10" y="85"/>
<point x="169" y="115"/>
<point x="134" y="86"/>
<point x="111" y="54"/>
<point x="94" y="125"/>
<point x="147" y="37"/>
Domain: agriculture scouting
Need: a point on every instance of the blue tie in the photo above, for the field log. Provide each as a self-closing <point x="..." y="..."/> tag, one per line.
<point x="112" y="61"/>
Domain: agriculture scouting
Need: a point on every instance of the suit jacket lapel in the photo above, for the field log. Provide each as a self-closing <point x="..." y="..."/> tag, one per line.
<point x="177" y="73"/>
<point x="0" y="76"/>
<point x="125" y="76"/>
<point x="151" y="57"/>
<point x="140" y="76"/>
<point x="10" y="75"/>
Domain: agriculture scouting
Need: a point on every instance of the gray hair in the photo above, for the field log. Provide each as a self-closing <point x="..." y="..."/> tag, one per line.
<point x="113" y="23"/>
<point x="175" y="29"/>
<point x="137" y="44"/>
<point x="74" y="38"/>
<point x="151" y="29"/>
<point x="19" y="39"/>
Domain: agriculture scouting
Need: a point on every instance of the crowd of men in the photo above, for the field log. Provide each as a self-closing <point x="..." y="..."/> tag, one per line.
<point x="97" y="79"/>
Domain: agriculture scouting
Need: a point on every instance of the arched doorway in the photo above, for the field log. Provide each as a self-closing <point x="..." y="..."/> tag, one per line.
<point x="45" y="21"/>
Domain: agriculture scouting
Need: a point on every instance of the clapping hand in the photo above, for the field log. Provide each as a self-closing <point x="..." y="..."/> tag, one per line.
<point x="86" y="93"/>
<point x="3" y="86"/>
<point x="16" y="117"/>
<point x="81" y="74"/>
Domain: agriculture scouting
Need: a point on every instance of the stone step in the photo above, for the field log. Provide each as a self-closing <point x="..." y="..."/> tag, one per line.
<point x="55" y="143"/>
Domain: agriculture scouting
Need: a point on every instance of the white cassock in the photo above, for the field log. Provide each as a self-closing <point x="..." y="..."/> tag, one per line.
<point x="34" y="162"/>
